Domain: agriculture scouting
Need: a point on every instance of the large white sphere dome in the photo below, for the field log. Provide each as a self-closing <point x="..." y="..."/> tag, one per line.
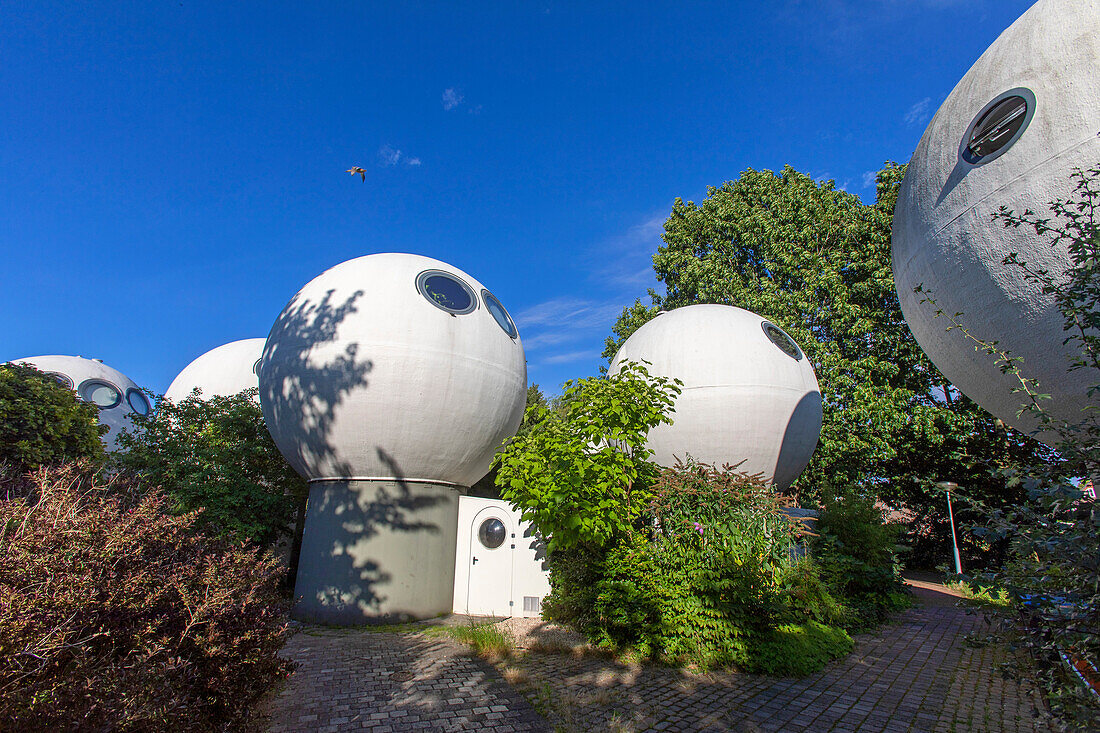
<point x="749" y="392"/>
<point x="116" y="395"/>
<point x="365" y="377"/>
<point x="1009" y="134"/>
<point x="220" y="372"/>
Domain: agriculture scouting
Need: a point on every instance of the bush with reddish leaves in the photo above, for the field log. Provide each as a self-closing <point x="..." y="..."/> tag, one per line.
<point x="116" y="615"/>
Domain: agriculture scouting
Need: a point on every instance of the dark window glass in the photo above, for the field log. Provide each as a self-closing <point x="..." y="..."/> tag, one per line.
<point x="138" y="402"/>
<point x="493" y="306"/>
<point x="998" y="126"/>
<point x="102" y="394"/>
<point x="782" y="340"/>
<point x="446" y="291"/>
<point x="61" y="379"/>
<point x="491" y="533"/>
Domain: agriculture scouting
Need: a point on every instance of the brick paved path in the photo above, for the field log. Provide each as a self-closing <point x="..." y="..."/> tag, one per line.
<point x="916" y="674"/>
<point x="375" y="681"/>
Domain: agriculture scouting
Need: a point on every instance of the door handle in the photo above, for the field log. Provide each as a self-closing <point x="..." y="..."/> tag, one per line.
<point x="475" y="561"/>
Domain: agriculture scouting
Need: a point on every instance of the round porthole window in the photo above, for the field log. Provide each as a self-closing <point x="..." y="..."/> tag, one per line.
<point x="61" y="379"/>
<point x="446" y="292"/>
<point x="499" y="314"/>
<point x="491" y="533"/>
<point x="138" y="402"/>
<point x="101" y="394"/>
<point x="256" y="367"/>
<point x="998" y="125"/>
<point x="782" y="340"/>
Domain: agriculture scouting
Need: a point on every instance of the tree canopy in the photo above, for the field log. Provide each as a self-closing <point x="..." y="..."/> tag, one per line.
<point x="43" y="422"/>
<point x="816" y="261"/>
<point x="216" y="455"/>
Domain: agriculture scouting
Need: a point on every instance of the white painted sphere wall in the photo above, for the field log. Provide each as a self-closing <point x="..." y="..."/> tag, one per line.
<point x="943" y="234"/>
<point x="744" y="398"/>
<point x="84" y="375"/>
<point x="220" y="372"/>
<point x="363" y="377"/>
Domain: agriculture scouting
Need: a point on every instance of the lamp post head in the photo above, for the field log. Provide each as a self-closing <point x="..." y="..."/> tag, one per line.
<point x="947" y="486"/>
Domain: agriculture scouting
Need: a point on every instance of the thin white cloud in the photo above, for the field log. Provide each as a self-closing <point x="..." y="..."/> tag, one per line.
<point x="626" y="261"/>
<point x="920" y="112"/>
<point x="571" y="357"/>
<point x="451" y="98"/>
<point x="388" y="155"/>
<point x="870" y="179"/>
<point x="570" y="314"/>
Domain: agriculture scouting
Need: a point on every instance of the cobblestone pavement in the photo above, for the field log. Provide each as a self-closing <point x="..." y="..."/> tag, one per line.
<point x="916" y="674"/>
<point x="351" y="679"/>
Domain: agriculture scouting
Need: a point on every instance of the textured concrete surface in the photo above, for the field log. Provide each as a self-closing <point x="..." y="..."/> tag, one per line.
<point x="916" y="674"/>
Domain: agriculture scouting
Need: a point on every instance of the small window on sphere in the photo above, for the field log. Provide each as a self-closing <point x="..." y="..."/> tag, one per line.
<point x="138" y="401"/>
<point x="782" y="340"/>
<point x="998" y="126"/>
<point x="499" y="314"/>
<point x="446" y="292"/>
<point x="100" y="393"/>
<point x="61" y="379"/>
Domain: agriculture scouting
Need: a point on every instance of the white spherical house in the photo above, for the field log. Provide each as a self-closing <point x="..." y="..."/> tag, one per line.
<point x="115" y="394"/>
<point x="1009" y="134"/>
<point x="749" y="396"/>
<point x="389" y="381"/>
<point x="221" y="372"/>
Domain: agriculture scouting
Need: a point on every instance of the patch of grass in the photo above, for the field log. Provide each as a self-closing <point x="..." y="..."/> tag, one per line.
<point x="485" y="639"/>
<point x="796" y="650"/>
<point x="985" y="596"/>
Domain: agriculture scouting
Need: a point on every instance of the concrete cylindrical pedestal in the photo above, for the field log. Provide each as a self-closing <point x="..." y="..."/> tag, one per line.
<point x="377" y="551"/>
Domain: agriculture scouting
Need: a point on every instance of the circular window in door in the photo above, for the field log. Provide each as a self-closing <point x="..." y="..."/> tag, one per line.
<point x="491" y="533"/>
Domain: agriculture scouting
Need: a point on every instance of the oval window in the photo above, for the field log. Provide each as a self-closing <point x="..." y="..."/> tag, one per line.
<point x="499" y="314"/>
<point x="782" y="340"/>
<point x="102" y="394"/>
<point x="999" y="124"/>
<point x="138" y="402"/>
<point x="445" y="291"/>
<point x="491" y="533"/>
<point x="61" y="379"/>
<point x="256" y="367"/>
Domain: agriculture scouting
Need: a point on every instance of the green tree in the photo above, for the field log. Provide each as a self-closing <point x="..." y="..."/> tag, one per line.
<point x="43" y="422"/>
<point x="816" y="261"/>
<point x="216" y="455"/>
<point x="582" y="475"/>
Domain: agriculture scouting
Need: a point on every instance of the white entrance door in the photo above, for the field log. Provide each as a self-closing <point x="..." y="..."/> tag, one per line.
<point x="492" y="547"/>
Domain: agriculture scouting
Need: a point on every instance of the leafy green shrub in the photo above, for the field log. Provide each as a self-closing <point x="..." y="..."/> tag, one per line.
<point x="707" y="585"/>
<point x="796" y="650"/>
<point x="857" y="554"/>
<point x="115" y="615"/>
<point x="582" y="475"/>
<point x="42" y="422"/>
<point x="807" y="596"/>
<point x="216" y="454"/>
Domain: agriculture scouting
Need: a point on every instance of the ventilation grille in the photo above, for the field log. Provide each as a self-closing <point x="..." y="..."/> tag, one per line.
<point x="532" y="604"/>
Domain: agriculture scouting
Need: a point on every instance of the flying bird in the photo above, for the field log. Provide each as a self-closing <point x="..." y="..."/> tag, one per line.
<point x="361" y="171"/>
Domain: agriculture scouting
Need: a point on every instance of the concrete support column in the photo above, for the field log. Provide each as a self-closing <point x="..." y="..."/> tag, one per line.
<point x="377" y="551"/>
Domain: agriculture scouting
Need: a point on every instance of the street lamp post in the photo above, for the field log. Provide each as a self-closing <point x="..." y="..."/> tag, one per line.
<point x="948" y="486"/>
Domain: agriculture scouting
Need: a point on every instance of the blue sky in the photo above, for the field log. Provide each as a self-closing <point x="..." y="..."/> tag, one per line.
<point x="171" y="173"/>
